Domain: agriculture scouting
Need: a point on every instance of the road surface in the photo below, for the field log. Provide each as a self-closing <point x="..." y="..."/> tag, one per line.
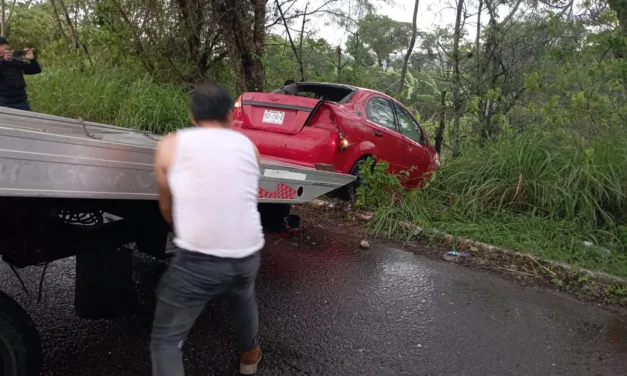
<point x="328" y="308"/>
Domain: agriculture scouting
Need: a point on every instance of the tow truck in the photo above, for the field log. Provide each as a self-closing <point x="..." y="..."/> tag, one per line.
<point x="74" y="188"/>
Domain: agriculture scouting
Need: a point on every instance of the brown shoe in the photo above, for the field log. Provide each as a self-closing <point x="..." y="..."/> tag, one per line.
<point x="249" y="360"/>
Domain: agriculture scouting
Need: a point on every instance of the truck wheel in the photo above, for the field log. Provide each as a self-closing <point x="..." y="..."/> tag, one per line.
<point x="20" y="347"/>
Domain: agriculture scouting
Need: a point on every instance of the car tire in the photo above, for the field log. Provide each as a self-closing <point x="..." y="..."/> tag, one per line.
<point x="20" y="346"/>
<point x="349" y="192"/>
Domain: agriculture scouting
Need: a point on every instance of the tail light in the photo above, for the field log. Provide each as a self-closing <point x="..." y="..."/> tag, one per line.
<point x="344" y="143"/>
<point x="238" y="112"/>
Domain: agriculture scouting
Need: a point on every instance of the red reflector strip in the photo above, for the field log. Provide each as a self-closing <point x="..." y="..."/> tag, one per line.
<point x="282" y="191"/>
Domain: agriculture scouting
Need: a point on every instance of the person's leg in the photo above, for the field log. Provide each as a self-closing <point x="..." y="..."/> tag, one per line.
<point x="189" y="283"/>
<point x="241" y="297"/>
<point x="24" y="106"/>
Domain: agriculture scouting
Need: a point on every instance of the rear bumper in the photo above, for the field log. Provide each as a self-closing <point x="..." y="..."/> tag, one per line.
<point x="311" y="146"/>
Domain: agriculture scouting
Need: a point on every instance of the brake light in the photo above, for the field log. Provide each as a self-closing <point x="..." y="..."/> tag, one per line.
<point x="238" y="112"/>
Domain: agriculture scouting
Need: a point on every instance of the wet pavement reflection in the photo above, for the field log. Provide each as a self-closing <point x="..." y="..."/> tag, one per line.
<point x="328" y="308"/>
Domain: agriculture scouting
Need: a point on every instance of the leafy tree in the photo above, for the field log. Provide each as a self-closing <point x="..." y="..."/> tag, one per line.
<point x="383" y="36"/>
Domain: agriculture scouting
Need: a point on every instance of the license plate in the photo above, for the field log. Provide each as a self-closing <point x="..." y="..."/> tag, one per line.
<point x="273" y="117"/>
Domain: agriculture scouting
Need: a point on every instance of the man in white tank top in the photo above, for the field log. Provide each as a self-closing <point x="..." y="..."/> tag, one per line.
<point x="208" y="179"/>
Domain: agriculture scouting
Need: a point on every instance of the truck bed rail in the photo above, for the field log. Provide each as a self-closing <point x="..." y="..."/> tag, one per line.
<point x="51" y="156"/>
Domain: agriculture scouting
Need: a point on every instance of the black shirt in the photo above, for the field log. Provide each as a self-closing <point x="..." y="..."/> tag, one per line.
<point x="12" y="84"/>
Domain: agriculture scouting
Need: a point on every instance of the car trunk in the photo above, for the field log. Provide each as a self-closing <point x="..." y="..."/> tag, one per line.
<point x="278" y="113"/>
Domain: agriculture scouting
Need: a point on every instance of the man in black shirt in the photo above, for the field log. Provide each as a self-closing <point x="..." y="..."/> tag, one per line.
<point x="13" y="66"/>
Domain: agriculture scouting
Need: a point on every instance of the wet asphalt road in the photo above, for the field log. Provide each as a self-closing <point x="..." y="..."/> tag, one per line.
<point x="330" y="309"/>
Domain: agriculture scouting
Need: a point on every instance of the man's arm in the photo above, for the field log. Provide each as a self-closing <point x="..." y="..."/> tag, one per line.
<point x="163" y="159"/>
<point x="31" y="67"/>
<point x="257" y="154"/>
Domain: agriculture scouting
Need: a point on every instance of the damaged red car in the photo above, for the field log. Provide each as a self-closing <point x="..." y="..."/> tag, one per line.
<point x="336" y="127"/>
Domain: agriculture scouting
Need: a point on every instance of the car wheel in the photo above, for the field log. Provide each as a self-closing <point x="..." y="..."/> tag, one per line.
<point x="351" y="189"/>
<point x="20" y="347"/>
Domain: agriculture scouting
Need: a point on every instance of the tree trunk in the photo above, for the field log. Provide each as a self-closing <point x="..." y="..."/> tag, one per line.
<point x="60" y="24"/>
<point x="192" y="13"/>
<point x="339" y="63"/>
<point x="139" y="47"/>
<point x="410" y="48"/>
<point x="289" y="37"/>
<point x="477" y="51"/>
<point x="300" y="44"/>
<point x="243" y="28"/>
<point x="457" y="100"/>
<point x="439" y="133"/>
<point x="3" y="26"/>
<point x="4" y="21"/>
<point x="70" y="24"/>
<point x="620" y="7"/>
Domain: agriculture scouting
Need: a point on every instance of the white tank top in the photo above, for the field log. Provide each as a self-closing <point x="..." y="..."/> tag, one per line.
<point x="214" y="179"/>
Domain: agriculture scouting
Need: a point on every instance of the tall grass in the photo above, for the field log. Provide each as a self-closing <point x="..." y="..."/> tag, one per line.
<point x="538" y="175"/>
<point x="112" y="97"/>
<point x="535" y="193"/>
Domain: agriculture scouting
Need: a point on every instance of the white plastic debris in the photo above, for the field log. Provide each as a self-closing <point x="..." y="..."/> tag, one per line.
<point x="364" y="244"/>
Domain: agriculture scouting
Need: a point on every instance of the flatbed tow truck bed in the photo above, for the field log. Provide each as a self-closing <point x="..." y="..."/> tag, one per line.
<point x="50" y="156"/>
<point x="76" y="188"/>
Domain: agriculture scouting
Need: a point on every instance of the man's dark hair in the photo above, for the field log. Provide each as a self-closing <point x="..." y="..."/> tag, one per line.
<point x="210" y="102"/>
<point x="288" y="82"/>
<point x="3" y="41"/>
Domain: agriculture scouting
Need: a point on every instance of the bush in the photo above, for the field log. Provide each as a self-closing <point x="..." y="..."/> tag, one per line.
<point x="376" y="187"/>
<point x="111" y="97"/>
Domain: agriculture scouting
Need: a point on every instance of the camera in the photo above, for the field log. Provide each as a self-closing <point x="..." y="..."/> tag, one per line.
<point x="18" y="54"/>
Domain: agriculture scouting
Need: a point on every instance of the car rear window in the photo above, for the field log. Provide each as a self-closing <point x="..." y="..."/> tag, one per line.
<point x="326" y="92"/>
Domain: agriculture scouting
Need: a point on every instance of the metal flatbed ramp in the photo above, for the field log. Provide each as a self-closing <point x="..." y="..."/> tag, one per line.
<point x="50" y="156"/>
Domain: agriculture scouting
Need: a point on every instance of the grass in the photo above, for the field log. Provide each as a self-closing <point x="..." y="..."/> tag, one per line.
<point x="111" y="97"/>
<point x="538" y="194"/>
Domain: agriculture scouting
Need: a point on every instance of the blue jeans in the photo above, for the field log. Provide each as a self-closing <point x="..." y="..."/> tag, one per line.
<point x="192" y="280"/>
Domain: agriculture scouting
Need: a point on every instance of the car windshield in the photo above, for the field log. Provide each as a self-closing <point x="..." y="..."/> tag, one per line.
<point x="326" y="92"/>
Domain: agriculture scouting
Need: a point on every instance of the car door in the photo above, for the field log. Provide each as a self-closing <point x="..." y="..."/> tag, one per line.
<point x="381" y="121"/>
<point x="416" y="158"/>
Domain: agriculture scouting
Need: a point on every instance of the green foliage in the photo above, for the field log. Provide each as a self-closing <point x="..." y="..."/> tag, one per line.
<point x="535" y="193"/>
<point x="539" y="173"/>
<point x="110" y="97"/>
<point x="383" y="35"/>
<point x="377" y="187"/>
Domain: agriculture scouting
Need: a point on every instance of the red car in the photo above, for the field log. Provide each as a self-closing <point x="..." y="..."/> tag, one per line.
<point x="336" y="127"/>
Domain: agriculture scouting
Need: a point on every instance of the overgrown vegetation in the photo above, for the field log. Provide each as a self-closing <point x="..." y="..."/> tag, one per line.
<point x="528" y="106"/>
<point x="529" y="193"/>
<point x="111" y="97"/>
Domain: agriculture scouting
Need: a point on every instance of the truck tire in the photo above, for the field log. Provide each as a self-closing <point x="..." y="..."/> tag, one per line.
<point x="20" y="347"/>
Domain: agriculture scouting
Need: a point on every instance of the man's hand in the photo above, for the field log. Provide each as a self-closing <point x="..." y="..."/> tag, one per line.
<point x="30" y="53"/>
<point x="8" y="55"/>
